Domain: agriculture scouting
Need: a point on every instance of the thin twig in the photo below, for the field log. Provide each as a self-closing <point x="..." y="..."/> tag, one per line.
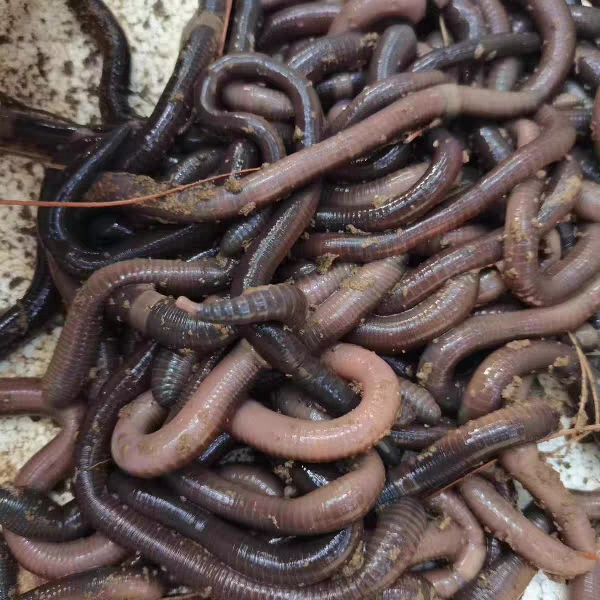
<point x="127" y="201"/>
<point x="585" y="364"/>
<point x="583" y="397"/>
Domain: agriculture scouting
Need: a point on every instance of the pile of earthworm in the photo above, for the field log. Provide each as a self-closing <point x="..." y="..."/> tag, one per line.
<point x="350" y="276"/>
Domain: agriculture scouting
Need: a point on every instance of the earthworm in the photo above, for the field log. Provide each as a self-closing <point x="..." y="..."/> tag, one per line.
<point x="495" y="183"/>
<point x="589" y="502"/>
<point x="244" y="26"/>
<point x="416" y="326"/>
<point x="195" y="166"/>
<point x="300" y="21"/>
<point x="359" y="14"/>
<point x="491" y="286"/>
<point x="418" y="437"/>
<point x="393" y="211"/>
<point x="422" y="403"/>
<point x="333" y="53"/>
<point x="543" y="482"/>
<point x="402" y="367"/>
<point x="395" y="50"/>
<point x="410" y="586"/>
<point x="282" y="302"/>
<point x="461" y="450"/>
<point x="76" y="347"/>
<point x="586" y="20"/>
<point x="170" y="373"/>
<point x="465" y="19"/>
<point x="293" y="562"/>
<point x="418" y="284"/>
<point x="317" y="287"/>
<point x="254" y="478"/>
<point x="112" y="583"/>
<point x="489" y="145"/>
<point x="270" y="183"/>
<point x="587" y="66"/>
<point x="285" y="351"/>
<point x="108" y="360"/>
<point x="308" y="477"/>
<point x="199" y="45"/>
<point x="467" y="564"/>
<point x="440" y="358"/>
<point x="587" y="163"/>
<point x="340" y="87"/>
<point x="183" y="437"/>
<point x="382" y="93"/>
<point x="503" y="73"/>
<point x="283" y="436"/>
<point x="451" y="239"/>
<point x="511" y="526"/>
<point x="443" y="539"/>
<point x="357" y="296"/>
<point x="323" y="510"/>
<point x="595" y="127"/>
<point x="361" y="195"/>
<point x="292" y="401"/>
<point x="115" y="86"/>
<point x="8" y="572"/>
<point x="52" y="560"/>
<point x="485" y="48"/>
<point x="265" y="102"/>
<point x="32" y="514"/>
<point x="484" y="393"/>
<point x="506" y="577"/>
<point x="585" y="587"/>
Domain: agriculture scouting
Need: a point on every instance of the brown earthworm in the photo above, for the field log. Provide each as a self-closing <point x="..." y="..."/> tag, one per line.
<point x="443" y="539"/>
<point x="343" y="86"/>
<point x="282" y="302"/>
<point x="587" y="65"/>
<point x="491" y="286"/>
<point x="585" y="587"/>
<point x="440" y="358"/>
<point x="250" y="97"/>
<point x="508" y="524"/>
<point x="395" y="50"/>
<point x="588" y="204"/>
<point x="520" y="165"/>
<point x="325" y="509"/>
<point x="527" y="466"/>
<point x="254" y="478"/>
<point x="110" y="583"/>
<point x="393" y="211"/>
<point x="357" y="296"/>
<point x="484" y="393"/>
<point x="451" y="239"/>
<point x="467" y="564"/>
<point x="418" y="437"/>
<point x="278" y="435"/>
<point x="587" y="21"/>
<point x="461" y="450"/>
<point x="318" y="287"/>
<point x="415" y="327"/>
<point x="359" y="14"/>
<point x="418" y="284"/>
<point x="420" y="401"/>
<point x="75" y="352"/>
<point x="187" y="435"/>
<point x="589" y="502"/>
<point x="301" y="21"/>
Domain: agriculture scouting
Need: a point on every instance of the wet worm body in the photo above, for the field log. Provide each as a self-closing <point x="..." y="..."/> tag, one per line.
<point x="304" y="353"/>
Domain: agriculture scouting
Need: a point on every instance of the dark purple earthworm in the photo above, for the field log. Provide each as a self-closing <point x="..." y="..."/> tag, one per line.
<point x="416" y="326"/>
<point x="469" y="561"/>
<point x="110" y="583"/>
<point x="244" y="26"/>
<point x="463" y="449"/>
<point x="185" y="436"/>
<point x="523" y="163"/>
<point x="199" y="45"/>
<point x="418" y="437"/>
<point x="8" y="572"/>
<point x="75" y="351"/>
<point x="114" y="91"/>
<point x="281" y="302"/>
<point x="484" y="393"/>
<point x="403" y="367"/>
<point x="420" y="401"/>
<point x="293" y="562"/>
<point x="317" y="287"/>
<point x="440" y="358"/>
<point x="544" y="484"/>
<point x="359" y="14"/>
<point x="392" y="211"/>
<point x="278" y="435"/>
<point x="465" y="19"/>
<point x="340" y="87"/>
<point x="357" y="296"/>
<point x="254" y="478"/>
<point x="485" y="48"/>
<point x="587" y="65"/>
<point x="588" y="204"/>
<point x="332" y="54"/>
<point x="170" y="373"/>
<point x="395" y="50"/>
<point x="587" y="21"/>
<point x="302" y="21"/>
<point x="508" y="524"/>
<point x="195" y="166"/>
<point x="490" y="145"/>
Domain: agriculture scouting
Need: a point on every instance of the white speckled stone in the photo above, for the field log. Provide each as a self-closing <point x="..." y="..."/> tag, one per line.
<point x="47" y="62"/>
